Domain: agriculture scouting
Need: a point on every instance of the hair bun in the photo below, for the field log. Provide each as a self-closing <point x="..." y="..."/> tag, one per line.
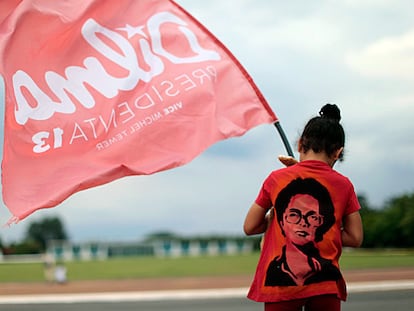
<point x="330" y="111"/>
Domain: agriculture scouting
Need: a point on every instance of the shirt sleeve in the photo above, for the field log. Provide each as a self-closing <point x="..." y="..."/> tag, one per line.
<point x="353" y="203"/>
<point x="263" y="199"/>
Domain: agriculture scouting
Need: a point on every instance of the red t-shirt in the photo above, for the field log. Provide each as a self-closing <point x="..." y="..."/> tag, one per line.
<point x="303" y="244"/>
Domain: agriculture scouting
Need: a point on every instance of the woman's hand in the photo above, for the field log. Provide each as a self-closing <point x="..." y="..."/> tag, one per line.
<point x="287" y="160"/>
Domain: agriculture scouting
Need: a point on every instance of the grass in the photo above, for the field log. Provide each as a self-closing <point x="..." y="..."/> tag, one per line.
<point x="151" y="267"/>
<point x="376" y="259"/>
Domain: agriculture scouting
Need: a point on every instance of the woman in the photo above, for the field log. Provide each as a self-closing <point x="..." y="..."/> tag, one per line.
<point x="316" y="213"/>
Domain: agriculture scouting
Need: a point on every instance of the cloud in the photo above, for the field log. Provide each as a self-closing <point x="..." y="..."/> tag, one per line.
<point x="385" y="58"/>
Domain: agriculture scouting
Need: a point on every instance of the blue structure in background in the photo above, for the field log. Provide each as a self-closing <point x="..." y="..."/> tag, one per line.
<point x="159" y="247"/>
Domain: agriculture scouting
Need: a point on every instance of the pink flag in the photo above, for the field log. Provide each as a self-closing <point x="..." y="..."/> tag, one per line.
<point x="6" y="7"/>
<point x="100" y="89"/>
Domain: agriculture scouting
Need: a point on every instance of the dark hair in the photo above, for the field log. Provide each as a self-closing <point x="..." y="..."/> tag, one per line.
<point x="315" y="189"/>
<point x="324" y="133"/>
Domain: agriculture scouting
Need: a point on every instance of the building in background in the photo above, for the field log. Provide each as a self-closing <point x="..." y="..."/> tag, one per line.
<point x="159" y="246"/>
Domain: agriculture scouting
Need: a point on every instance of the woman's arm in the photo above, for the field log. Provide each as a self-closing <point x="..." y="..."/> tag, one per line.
<point x="352" y="233"/>
<point x="255" y="221"/>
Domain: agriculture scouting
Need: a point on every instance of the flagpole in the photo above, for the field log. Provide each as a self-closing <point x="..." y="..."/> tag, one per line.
<point x="284" y="138"/>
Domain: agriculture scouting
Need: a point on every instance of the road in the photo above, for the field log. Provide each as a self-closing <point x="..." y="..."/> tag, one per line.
<point x="401" y="300"/>
<point x="380" y="301"/>
<point x="368" y="291"/>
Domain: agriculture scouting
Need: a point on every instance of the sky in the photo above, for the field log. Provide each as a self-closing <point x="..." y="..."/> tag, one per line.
<point x="357" y="54"/>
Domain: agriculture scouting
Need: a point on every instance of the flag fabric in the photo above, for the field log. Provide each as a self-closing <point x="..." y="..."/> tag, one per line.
<point x="6" y="7"/>
<point x="96" y="90"/>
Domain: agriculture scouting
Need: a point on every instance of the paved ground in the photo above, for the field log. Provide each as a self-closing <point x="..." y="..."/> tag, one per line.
<point x="354" y="276"/>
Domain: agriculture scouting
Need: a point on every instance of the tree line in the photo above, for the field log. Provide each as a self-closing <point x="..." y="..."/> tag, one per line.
<point x="36" y="237"/>
<point x="390" y="226"/>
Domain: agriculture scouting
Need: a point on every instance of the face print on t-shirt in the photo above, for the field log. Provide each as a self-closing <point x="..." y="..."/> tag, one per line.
<point x="301" y="219"/>
<point x="304" y="212"/>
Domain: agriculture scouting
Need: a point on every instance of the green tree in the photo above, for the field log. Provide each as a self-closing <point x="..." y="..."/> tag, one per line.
<point x="44" y="230"/>
<point x="398" y="220"/>
<point x="24" y="247"/>
<point x="389" y="226"/>
<point x="372" y="223"/>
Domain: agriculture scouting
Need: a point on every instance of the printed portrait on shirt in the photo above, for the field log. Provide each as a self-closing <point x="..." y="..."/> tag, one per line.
<point x="304" y="212"/>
